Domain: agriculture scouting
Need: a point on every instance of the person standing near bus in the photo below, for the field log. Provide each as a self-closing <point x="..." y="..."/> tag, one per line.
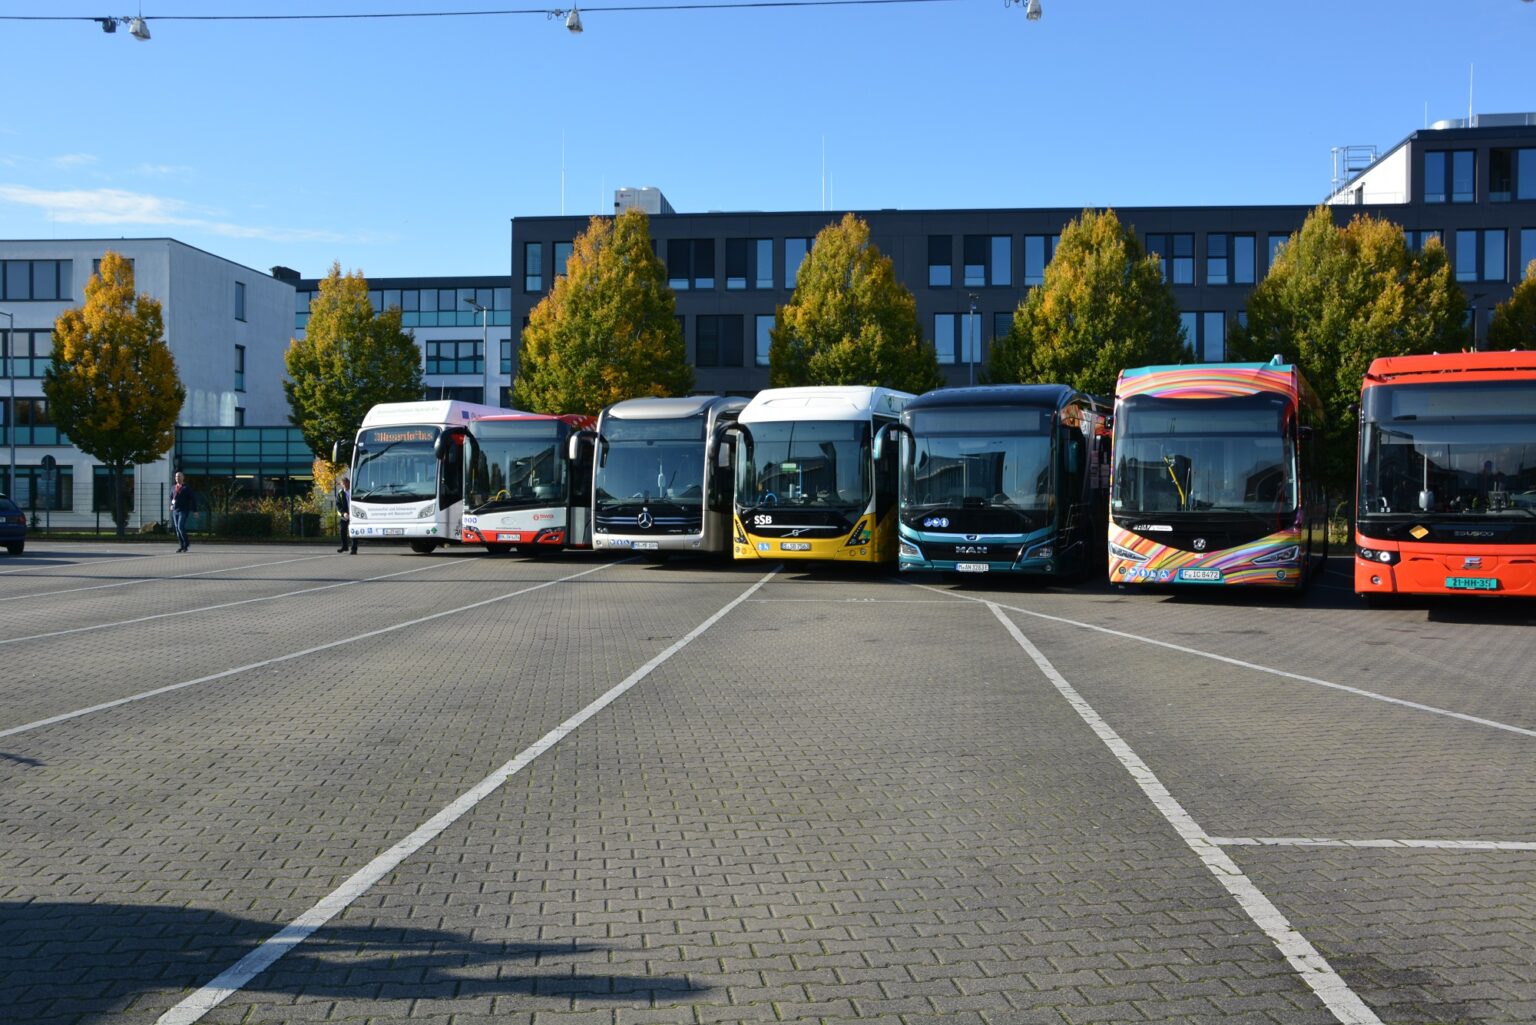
<point x="183" y="505"/>
<point x="344" y="513"/>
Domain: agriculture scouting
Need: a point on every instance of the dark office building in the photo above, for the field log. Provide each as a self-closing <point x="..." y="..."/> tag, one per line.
<point x="1471" y="185"/>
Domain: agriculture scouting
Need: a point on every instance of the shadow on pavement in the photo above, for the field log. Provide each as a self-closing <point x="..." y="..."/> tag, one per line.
<point x="79" y="963"/>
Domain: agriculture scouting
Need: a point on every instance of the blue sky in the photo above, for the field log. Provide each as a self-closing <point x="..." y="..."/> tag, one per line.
<point x="404" y="146"/>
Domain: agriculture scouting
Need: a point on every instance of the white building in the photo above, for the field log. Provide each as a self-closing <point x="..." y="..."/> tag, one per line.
<point x="227" y="327"/>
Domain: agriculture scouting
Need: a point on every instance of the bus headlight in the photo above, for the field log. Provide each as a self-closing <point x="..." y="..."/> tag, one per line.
<point x="1377" y="555"/>
<point x="1045" y="551"/>
<point x="1125" y="554"/>
<point x="359" y="514"/>
<point x="1287" y="555"/>
<point x="426" y="511"/>
<point x="910" y="550"/>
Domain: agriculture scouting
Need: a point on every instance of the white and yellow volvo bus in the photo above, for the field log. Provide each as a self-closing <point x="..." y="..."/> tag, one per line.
<point x="808" y="485"/>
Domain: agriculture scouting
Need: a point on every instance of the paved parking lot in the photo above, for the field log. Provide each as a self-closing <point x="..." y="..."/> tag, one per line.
<point x="278" y="784"/>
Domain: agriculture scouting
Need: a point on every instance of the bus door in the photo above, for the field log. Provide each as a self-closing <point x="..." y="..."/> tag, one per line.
<point x="578" y="514"/>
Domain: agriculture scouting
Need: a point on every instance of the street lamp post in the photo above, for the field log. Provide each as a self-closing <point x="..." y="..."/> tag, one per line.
<point x="975" y="346"/>
<point x="485" y="345"/>
<point x="10" y="410"/>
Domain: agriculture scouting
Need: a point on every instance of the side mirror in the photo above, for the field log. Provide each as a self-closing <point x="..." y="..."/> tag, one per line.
<point x="446" y="440"/>
<point x="884" y="436"/>
<point x="584" y="437"/>
<point x="341" y="451"/>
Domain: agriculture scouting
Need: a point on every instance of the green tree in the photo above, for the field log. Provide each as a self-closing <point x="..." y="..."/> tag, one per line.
<point x="1514" y="320"/>
<point x="607" y="330"/>
<point x="1102" y="307"/>
<point x="850" y="321"/>
<point x="112" y="385"/>
<point x="1337" y="298"/>
<point x="349" y="360"/>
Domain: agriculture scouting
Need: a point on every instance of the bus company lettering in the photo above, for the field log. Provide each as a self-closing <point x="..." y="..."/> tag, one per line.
<point x="391" y="512"/>
<point x="1151" y="528"/>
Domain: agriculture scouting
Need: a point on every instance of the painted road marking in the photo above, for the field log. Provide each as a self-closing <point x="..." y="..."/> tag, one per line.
<point x="153" y="580"/>
<point x="66" y="716"/>
<point x="1314" y="969"/>
<point x="225" y="605"/>
<point x="1345" y="688"/>
<point x="234" y="978"/>
<point x="1322" y="841"/>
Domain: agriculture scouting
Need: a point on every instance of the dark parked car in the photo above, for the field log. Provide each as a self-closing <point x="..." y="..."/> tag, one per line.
<point x="13" y="526"/>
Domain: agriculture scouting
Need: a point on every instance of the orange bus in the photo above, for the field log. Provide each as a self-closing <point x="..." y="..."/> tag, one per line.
<point x="1213" y="480"/>
<point x="1446" y="491"/>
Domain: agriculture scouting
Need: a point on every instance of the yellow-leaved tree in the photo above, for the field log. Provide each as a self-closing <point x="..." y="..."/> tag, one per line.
<point x="112" y="386"/>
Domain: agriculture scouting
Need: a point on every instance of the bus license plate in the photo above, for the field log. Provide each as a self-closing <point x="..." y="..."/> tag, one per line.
<point x="972" y="567"/>
<point x="795" y="546"/>
<point x="1472" y="583"/>
<point x="509" y="535"/>
<point x="1201" y="576"/>
<point x="393" y="531"/>
<point x="646" y="546"/>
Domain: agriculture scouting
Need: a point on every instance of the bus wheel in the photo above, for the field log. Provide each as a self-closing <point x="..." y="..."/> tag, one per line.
<point x="499" y="548"/>
<point x="423" y="547"/>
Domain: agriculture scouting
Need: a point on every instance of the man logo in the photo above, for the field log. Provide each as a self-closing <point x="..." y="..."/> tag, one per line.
<point x="644" y="519"/>
<point x="1199" y="544"/>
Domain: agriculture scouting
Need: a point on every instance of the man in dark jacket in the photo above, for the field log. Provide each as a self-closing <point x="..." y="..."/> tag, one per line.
<point x="344" y="514"/>
<point x="183" y="505"/>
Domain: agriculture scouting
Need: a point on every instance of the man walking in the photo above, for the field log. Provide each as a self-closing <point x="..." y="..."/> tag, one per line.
<point x="183" y="505"/>
<point x="344" y="513"/>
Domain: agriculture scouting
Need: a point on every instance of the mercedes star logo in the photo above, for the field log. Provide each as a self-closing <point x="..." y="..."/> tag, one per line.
<point x="644" y="519"/>
<point x="1199" y="544"/>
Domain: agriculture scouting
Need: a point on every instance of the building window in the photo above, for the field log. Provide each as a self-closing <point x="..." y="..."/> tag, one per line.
<point x="795" y="252"/>
<point x="690" y="263"/>
<point x="736" y="263"/>
<point x="970" y="338"/>
<point x="764" y="249"/>
<point x="1417" y="240"/>
<point x="941" y="260"/>
<point x="1501" y="175"/>
<point x="456" y="357"/>
<point x="1206" y="333"/>
<point x="1525" y="174"/>
<point x="239" y="300"/>
<point x="455" y="393"/>
<point x="1276" y="241"/>
<point x="562" y="257"/>
<point x="506" y="356"/>
<point x="1450" y="176"/>
<point x="96" y="267"/>
<point x="1002" y="324"/>
<point x="764" y="337"/>
<point x="101" y="489"/>
<point x="1527" y="252"/>
<point x="36" y="489"/>
<point x="37" y="280"/>
<point x="239" y="368"/>
<point x="1176" y="257"/>
<point x="717" y="340"/>
<point x="1039" y="251"/>
<point x="533" y="266"/>
<point x="239" y="416"/>
<point x="944" y="337"/>
<point x="1218" y="259"/>
<point x="33" y="425"/>
<point x="988" y="260"/>
<point x="748" y="260"/>
<point x="1480" y="255"/>
<point x="30" y="352"/>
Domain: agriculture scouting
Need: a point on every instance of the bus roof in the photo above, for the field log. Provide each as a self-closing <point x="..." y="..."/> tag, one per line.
<point x="580" y="421"/>
<point x="1452" y="366"/>
<point x="1212" y="380"/>
<point x="673" y="408"/>
<point x="829" y="402"/>
<point x="443" y="413"/>
<point x="1053" y="396"/>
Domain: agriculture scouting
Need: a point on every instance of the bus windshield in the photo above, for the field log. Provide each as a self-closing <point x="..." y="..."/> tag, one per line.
<point x="987" y="458"/>
<point x="807" y="464"/>
<point x="517" y="464"/>
<point x="1448" y="449"/>
<point x="651" y="462"/>
<point x="1204" y="455"/>
<point x="395" y="465"/>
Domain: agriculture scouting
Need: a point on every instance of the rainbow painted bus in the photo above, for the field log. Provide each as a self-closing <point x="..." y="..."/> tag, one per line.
<point x="809" y="484"/>
<point x="1446" y="491"/>
<point x="522" y="489"/>
<point x="1214" y="478"/>
<point x="1004" y="479"/>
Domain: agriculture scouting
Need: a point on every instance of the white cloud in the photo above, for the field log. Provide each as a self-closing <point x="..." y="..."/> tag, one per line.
<point x="117" y="206"/>
<point x="67" y="160"/>
<point x="163" y="170"/>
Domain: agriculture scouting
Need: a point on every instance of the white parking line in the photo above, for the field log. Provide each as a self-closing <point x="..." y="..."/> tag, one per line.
<point x="234" y="978"/>
<point x="155" y="580"/>
<point x="66" y="716"/>
<point x="225" y="605"/>
<point x="1314" y="969"/>
<point x="37" y="568"/>
<point x="1357" y="691"/>
<point x="1322" y="841"/>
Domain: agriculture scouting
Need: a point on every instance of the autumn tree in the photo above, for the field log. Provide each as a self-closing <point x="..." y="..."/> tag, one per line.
<point x="112" y="384"/>
<point x="1103" y="306"/>
<point x="349" y="360"/>
<point x="607" y="330"/>
<point x="1514" y="320"/>
<point x="1337" y="298"/>
<point x="850" y="321"/>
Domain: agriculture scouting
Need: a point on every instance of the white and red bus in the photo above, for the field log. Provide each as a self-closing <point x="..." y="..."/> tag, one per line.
<point x="1213" y="480"/>
<point x="1446" y="491"/>
<point x="521" y="488"/>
